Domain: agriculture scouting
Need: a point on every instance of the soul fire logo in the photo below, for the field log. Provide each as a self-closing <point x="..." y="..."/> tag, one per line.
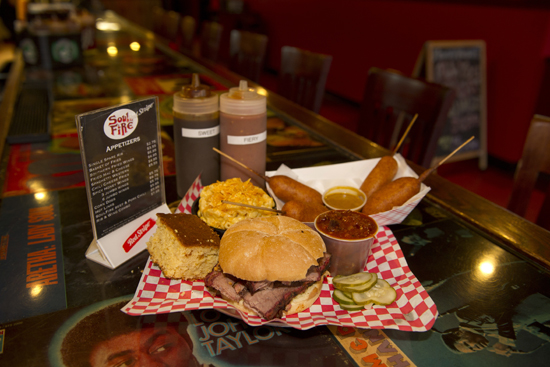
<point x="120" y="124"/>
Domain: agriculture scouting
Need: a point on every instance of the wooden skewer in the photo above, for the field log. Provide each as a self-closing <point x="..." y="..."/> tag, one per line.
<point x="253" y="207"/>
<point x="241" y="164"/>
<point x="405" y="134"/>
<point x="427" y="172"/>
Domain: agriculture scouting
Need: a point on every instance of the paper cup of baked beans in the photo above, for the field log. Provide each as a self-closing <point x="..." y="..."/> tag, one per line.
<point x="348" y="236"/>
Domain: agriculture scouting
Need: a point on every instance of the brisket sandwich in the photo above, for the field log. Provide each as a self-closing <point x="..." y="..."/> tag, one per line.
<point x="270" y="266"/>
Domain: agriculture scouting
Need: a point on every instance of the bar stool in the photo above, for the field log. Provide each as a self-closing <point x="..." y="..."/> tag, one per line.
<point x="535" y="159"/>
<point x="186" y="33"/>
<point x="171" y="25"/>
<point x="390" y="101"/>
<point x="303" y="76"/>
<point x="247" y="53"/>
<point x="158" y="20"/>
<point x="210" y="40"/>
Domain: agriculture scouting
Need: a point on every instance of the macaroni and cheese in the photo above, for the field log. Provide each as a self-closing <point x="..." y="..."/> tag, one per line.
<point x="221" y="215"/>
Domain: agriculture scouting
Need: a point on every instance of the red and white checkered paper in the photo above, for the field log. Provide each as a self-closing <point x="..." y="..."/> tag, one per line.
<point x="413" y="309"/>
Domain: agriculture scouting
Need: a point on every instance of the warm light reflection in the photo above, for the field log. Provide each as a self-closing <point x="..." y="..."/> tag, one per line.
<point x="112" y="50"/>
<point x="125" y="98"/>
<point x="487" y="267"/>
<point x="37" y="187"/>
<point x="40" y="195"/>
<point x="105" y="25"/>
<point x="35" y="291"/>
<point x="135" y="46"/>
<point x="261" y="91"/>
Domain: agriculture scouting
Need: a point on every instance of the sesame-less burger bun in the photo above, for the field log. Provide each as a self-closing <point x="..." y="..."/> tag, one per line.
<point x="270" y="248"/>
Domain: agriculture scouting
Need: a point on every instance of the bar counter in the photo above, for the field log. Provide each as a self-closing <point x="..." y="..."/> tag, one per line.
<point x="479" y="273"/>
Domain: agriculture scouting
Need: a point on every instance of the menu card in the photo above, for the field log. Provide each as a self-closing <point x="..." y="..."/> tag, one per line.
<point x="122" y="160"/>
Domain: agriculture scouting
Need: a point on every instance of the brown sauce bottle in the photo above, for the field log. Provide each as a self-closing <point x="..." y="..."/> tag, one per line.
<point x="243" y="133"/>
<point x="196" y="132"/>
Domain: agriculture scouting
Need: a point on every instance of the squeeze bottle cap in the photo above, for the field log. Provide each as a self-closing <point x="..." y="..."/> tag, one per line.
<point x="242" y="100"/>
<point x="195" y="98"/>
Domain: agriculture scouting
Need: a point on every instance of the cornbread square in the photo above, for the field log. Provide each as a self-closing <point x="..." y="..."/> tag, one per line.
<point x="183" y="246"/>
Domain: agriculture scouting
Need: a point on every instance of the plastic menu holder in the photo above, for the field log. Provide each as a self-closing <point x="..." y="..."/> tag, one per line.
<point x="122" y="161"/>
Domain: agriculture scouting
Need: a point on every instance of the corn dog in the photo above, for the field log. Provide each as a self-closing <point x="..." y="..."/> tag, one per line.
<point x="394" y="193"/>
<point x="287" y="189"/>
<point x="398" y="192"/>
<point x="284" y="187"/>
<point x="386" y="168"/>
<point x="381" y="174"/>
<point x="303" y="211"/>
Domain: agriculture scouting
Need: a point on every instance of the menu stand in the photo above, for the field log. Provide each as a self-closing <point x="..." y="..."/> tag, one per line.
<point x="122" y="160"/>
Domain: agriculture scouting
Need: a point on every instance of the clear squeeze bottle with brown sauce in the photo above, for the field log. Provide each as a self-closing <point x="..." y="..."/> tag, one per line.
<point x="196" y="132"/>
<point x="243" y="133"/>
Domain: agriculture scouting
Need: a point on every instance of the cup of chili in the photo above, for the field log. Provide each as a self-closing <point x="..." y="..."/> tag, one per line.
<point x="348" y="236"/>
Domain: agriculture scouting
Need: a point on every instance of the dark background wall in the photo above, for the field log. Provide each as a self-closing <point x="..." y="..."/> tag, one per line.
<point x="360" y="34"/>
<point x="390" y="34"/>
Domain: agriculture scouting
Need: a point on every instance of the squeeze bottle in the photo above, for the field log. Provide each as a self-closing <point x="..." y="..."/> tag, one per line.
<point x="243" y="133"/>
<point x="196" y="132"/>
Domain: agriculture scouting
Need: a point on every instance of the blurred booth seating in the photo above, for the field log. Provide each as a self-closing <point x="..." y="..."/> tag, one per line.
<point x="389" y="103"/>
<point x="534" y="160"/>
<point x="210" y="40"/>
<point x="303" y="76"/>
<point x="247" y="53"/>
<point x="186" y="33"/>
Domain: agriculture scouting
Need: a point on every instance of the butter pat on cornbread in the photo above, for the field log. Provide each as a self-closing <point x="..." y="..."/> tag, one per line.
<point x="183" y="246"/>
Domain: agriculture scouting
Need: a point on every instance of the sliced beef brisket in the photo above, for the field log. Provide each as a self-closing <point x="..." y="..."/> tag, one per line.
<point x="253" y="287"/>
<point x="271" y="303"/>
<point x="268" y="299"/>
<point x="223" y="283"/>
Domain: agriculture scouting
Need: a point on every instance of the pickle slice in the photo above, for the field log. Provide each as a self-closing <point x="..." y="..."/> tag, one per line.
<point x="352" y="307"/>
<point x="382" y="293"/>
<point x="342" y="298"/>
<point x="353" y="280"/>
<point x="361" y="287"/>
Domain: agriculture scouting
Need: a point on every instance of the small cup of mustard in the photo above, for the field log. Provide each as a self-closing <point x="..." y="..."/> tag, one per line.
<point x="344" y="198"/>
<point x="348" y="236"/>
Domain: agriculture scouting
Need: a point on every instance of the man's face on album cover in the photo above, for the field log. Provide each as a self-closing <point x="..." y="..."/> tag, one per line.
<point x="153" y="346"/>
